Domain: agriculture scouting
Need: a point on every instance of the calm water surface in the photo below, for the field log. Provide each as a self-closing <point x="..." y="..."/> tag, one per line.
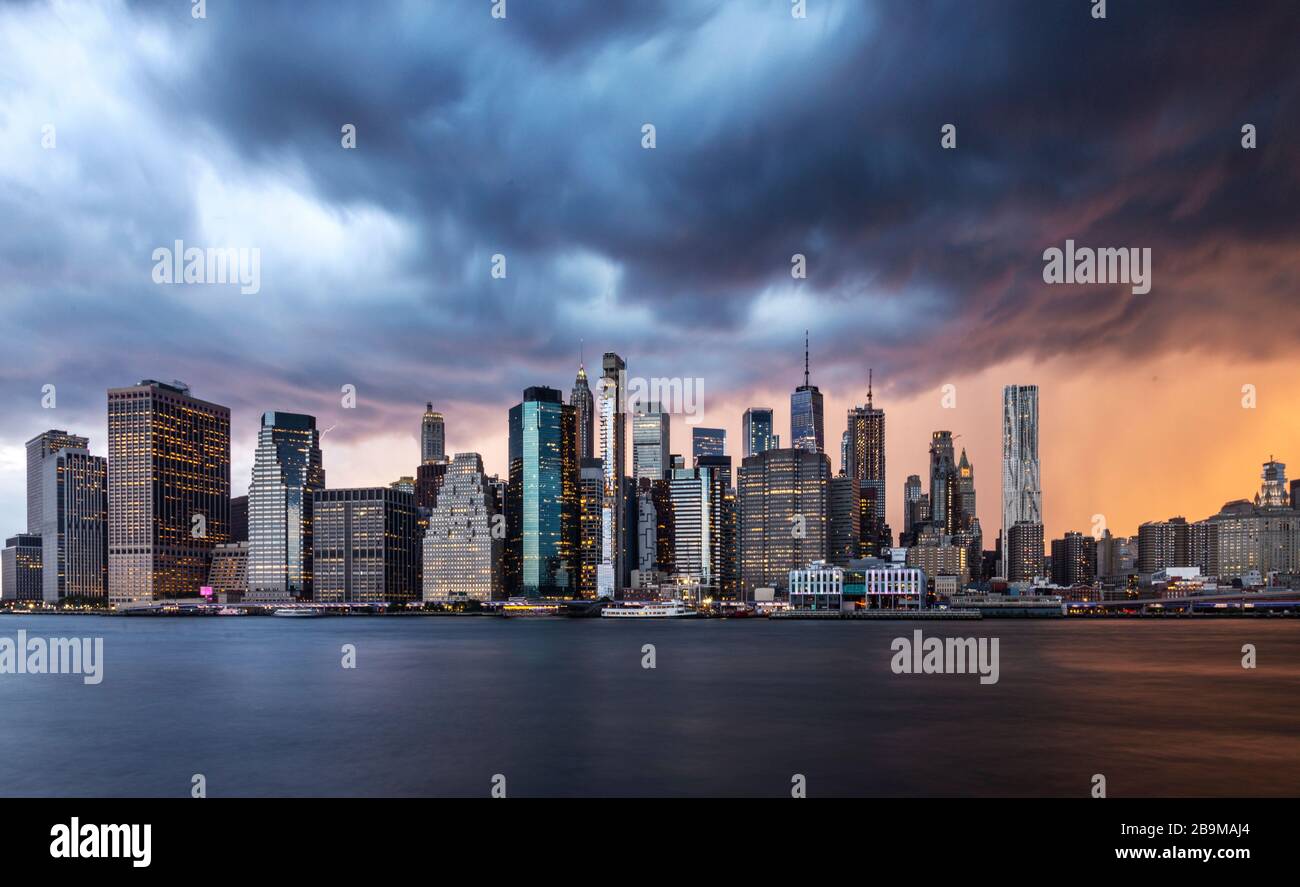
<point x="436" y="706"/>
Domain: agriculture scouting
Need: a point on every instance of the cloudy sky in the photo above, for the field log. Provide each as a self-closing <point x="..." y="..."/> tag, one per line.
<point x="522" y="136"/>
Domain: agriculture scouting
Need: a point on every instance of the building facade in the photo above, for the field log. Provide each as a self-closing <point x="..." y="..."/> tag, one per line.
<point x="542" y="499"/>
<point x="365" y="546"/>
<point x="651" y="442"/>
<point x="74" y="535"/>
<point x="39" y="448"/>
<point x="168" y="490"/>
<point x="287" y="472"/>
<point x="1022" y="495"/>
<point x="613" y="431"/>
<point x="20" y="569"/>
<point x="462" y="551"/>
<point x="707" y="442"/>
<point x="433" y="436"/>
<point x="782" y="498"/>
<point x="756" y="429"/>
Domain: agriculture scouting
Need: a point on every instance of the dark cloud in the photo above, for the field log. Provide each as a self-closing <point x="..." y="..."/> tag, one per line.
<point x="522" y="137"/>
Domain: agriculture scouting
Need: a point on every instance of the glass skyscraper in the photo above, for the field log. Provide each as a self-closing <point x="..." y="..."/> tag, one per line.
<point x="542" y="521"/>
<point x="807" y="424"/>
<point x="287" y="470"/>
<point x="757" y="431"/>
<point x="707" y="442"/>
<point x="650" y="442"/>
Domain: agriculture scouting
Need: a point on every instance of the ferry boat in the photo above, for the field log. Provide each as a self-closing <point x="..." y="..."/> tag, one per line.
<point x="299" y="614"/>
<point x="655" y="610"/>
<point x="231" y="611"/>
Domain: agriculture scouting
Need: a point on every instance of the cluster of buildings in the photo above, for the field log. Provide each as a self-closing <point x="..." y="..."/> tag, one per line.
<point x="155" y="520"/>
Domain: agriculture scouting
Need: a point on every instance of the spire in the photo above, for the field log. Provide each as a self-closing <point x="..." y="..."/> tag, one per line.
<point x="869" y="375"/>
<point x="428" y="406"/>
<point x="805" y="358"/>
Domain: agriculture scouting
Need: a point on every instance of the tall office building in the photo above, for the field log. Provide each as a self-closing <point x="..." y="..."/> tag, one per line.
<point x="542" y="499"/>
<point x="756" y="428"/>
<point x="707" y="442"/>
<point x="365" y="546"/>
<point x="807" y="424"/>
<point x="966" y="488"/>
<point x="1164" y="544"/>
<point x="287" y="471"/>
<point x="650" y="442"/>
<point x="433" y="436"/>
<point x="38" y="449"/>
<point x="168" y="490"/>
<point x="613" y="430"/>
<point x="945" y="491"/>
<point x="20" y="568"/>
<point x="462" y="556"/>
<point x="74" y="533"/>
<point x="911" y="503"/>
<point x="1024" y="545"/>
<point x="865" y="463"/>
<point x="782" y="497"/>
<point x="584" y="414"/>
<point x="1074" y="560"/>
<point x="699" y="514"/>
<point x="239" y="519"/>
<point x="428" y="481"/>
<point x="1022" y="496"/>
<point x="591" y="501"/>
<point x="844" y="518"/>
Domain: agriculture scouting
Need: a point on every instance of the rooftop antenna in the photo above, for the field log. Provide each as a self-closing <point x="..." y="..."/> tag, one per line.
<point x="805" y="358"/>
<point x="869" y="374"/>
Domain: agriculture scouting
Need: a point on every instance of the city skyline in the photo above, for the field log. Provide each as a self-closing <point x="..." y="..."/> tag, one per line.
<point x="989" y="510"/>
<point x="775" y="138"/>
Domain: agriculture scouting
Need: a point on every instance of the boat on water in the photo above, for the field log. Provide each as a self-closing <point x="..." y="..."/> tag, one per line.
<point x="292" y="613"/>
<point x="231" y="611"/>
<point x="654" y="610"/>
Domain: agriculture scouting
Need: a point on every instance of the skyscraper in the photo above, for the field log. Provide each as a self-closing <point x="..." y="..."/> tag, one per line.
<point x="613" y="430"/>
<point x="462" y="556"/>
<point x="944" y="488"/>
<point x="707" y="442"/>
<point x="1074" y="560"/>
<point x="433" y="439"/>
<point x="542" y="499"/>
<point x="865" y="463"/>
<point x="591" y="501"/>
<point x="650" y="442"/>
<point x="20" y="568"/>
<point x="782" y="498"/>
<point x="1022" y="497"/>
<point x="584" y="414"/>
<point x="911" y="502"/>
<point x="168" y="490"/>
<point x="287" y="471"/>
<point x="807" y="426"/>
<point x="74" y="533"/>
<point x="1025" y="551"/>
<point x="38" y="448"/>
<point x="843" y="520"/>
<point x="757" y="431"/>
<point x="365" y="546"/>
